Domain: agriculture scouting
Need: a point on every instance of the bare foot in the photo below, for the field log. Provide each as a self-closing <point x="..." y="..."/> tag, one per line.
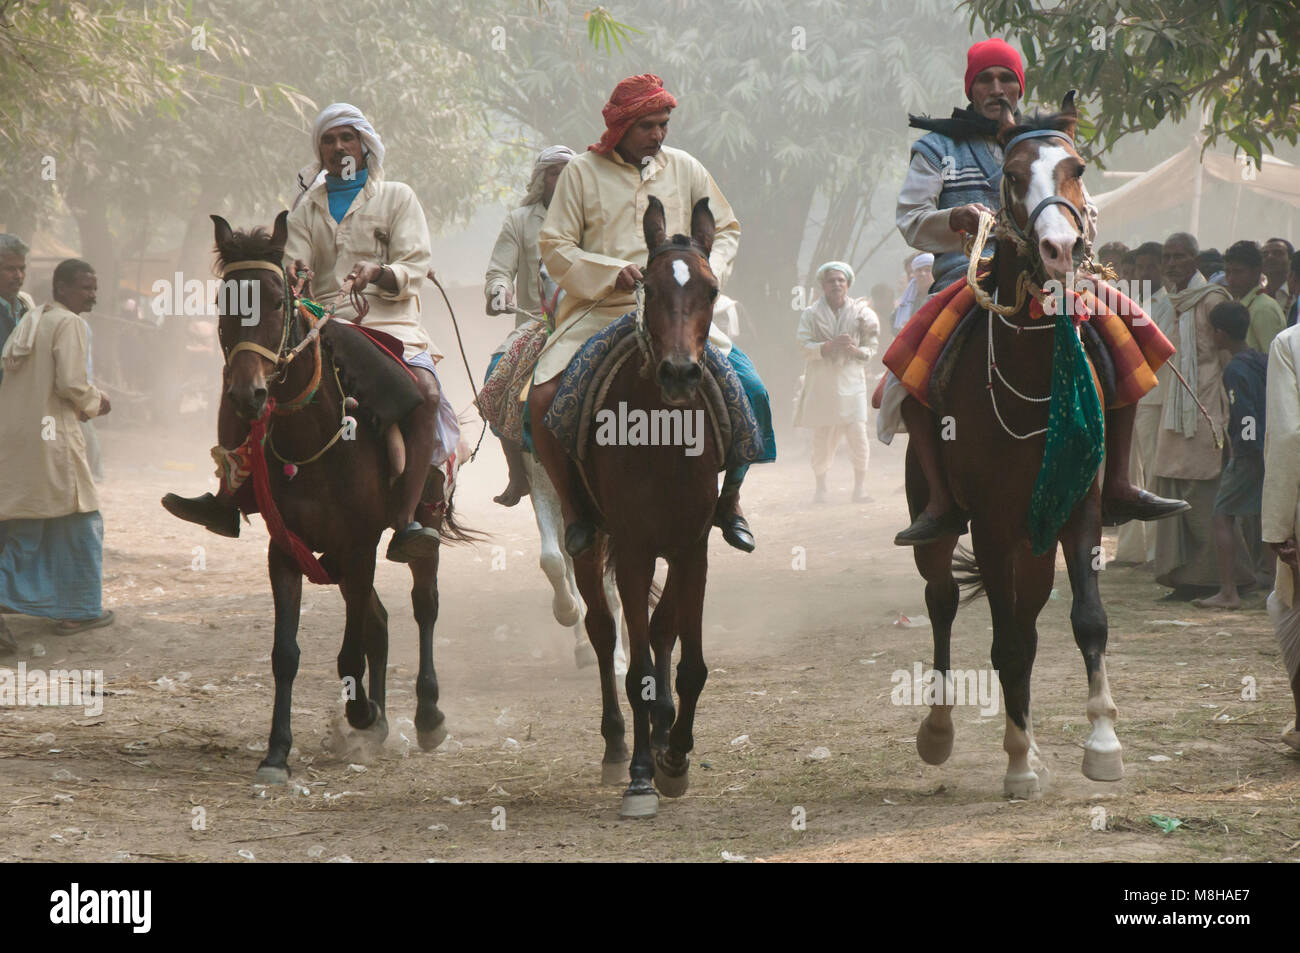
<point x="511" y="495"/>
<point x="1217" y="601"/>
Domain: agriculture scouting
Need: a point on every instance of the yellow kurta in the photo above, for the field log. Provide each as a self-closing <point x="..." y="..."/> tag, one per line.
<point x="593" y="230"/>
<point x="44" y="468"/>
<point x="1266" y="320"/>
<point x="385" y="224"/>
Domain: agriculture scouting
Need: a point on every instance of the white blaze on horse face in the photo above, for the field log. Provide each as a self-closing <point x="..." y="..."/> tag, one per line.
<point x="1054" y="231"/>
<point x="682" y="272"/>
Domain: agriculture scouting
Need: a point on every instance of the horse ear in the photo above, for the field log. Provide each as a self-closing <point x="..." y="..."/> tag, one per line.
<point x="1006" y="123"/>
<point x="280" y="233"/>
<point x="656" y="231"/>
<point x="1070" y="114"/>
<point x="221" y="230"/>
<point x="702" y="225"/>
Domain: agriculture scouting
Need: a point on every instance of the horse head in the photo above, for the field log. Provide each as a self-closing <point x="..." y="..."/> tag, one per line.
<point x="252" y="328"/>
<point x="1042" y="185"/>
<point x="680" y="289"/>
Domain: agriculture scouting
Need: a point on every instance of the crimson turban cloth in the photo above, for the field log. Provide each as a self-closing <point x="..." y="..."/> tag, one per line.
<point x="632" y="98"/>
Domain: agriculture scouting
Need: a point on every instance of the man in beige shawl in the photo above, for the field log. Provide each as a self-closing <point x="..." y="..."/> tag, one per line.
<point x="837" y="336"/>
<point x="1187" y="460"/>
<point x="51" y="560"/>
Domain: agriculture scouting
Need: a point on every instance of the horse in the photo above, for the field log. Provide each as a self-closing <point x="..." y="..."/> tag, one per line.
<point x="654" y="501"/>
<point x="994" y="458"/>
<point x="338" y="500"/>
<point x="566" y="604"/>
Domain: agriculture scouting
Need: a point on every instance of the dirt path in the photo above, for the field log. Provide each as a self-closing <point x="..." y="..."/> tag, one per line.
<point x="800" y="659"/>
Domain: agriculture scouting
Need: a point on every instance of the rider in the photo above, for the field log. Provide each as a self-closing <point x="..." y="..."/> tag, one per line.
<point x="954" y="176"/>
<point x="511" y="286"/>
<point x="593" y="245"/>
<point x="351" y="224"/>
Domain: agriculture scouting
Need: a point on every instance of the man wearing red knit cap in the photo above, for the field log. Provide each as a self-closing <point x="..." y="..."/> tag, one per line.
<point x="955" y="174"/>
<point x="593" y="246"/>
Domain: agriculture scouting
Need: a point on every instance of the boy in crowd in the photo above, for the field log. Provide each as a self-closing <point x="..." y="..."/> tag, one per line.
<point x="1242" y="482"/>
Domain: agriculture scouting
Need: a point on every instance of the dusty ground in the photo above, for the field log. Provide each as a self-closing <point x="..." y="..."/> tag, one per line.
<point x="800" y="660"/>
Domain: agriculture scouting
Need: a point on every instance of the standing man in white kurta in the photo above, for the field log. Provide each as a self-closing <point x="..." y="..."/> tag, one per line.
<point x="838" y="337"/>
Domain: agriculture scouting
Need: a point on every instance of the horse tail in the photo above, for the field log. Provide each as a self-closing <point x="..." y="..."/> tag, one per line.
<point x="450" y="531"/>
<point x="605" y="554"/>
<point x="966" y="573"/>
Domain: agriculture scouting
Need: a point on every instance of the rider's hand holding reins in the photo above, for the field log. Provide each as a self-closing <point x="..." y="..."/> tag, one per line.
<point x="966" y="218"/>
<point x="367" y="272"/>
<point x="627" y="278"/>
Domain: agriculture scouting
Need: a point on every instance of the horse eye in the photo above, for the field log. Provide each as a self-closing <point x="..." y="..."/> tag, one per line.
<point x="713" y="293"/>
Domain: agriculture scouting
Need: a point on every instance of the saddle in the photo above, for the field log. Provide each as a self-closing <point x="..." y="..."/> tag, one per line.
<point x="371" y="369"/>
<point x="585" y="385"/>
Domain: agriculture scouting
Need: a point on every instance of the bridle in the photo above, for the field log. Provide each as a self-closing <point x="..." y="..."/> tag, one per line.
<point x="1024" y="244"/>
<point x="643" y="339"/>
<point x="276" y="357"/>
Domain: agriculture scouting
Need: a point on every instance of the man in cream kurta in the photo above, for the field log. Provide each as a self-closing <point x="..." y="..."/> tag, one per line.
<point x="593" y="246"/>
<point x="837" y="336"/>
<point x="1280" y="509"/>
<point x="50" y="563"/>
<point x="512" y="286"/>
<point x="352" y="226"/>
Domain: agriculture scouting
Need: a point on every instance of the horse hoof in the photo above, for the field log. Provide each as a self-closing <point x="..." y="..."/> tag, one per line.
<point x="430" y="740"/>
<point x="671" y="785"/>
<point x="565" y="609"/>
<point x="272" y="774"/>
<point x="614" y="772"/>
<point x="1103" y="765"/>
<point x="934" y="745"/>
<point x="584" y="655"/>
<point x="639" y="805"/>
<point x="1023" y="786"/>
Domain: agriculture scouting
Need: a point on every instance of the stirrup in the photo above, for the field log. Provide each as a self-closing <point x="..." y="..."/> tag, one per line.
<point x="413" y="543"/>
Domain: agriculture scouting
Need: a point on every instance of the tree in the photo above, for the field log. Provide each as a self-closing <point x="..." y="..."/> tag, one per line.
<point x="1144" y="61"/>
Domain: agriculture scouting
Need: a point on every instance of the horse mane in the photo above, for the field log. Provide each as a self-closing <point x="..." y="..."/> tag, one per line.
<point x="253" y="245"/>
<point x="1038" y="120"/>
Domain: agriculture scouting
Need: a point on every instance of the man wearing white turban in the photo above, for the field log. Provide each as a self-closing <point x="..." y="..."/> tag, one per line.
<point x="511" y="287"/>
<point x="350" y="224"/>
<point x="838" y="336"/>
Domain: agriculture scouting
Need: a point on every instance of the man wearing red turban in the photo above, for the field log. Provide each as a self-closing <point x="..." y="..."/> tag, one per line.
<point x="593" y="246"/>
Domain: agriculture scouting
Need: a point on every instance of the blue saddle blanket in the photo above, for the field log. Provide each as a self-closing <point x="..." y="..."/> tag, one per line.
<point x="570" y="415"/>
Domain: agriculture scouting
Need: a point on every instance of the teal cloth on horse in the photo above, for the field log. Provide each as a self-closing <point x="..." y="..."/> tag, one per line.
<point x="1076" y="440"/>
<point x="564" y="418"/>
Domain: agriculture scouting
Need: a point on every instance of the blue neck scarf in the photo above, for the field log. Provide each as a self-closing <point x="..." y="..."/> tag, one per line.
<point x="342" y="192"/>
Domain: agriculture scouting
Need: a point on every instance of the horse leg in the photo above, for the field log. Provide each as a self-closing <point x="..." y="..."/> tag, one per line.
<point x="934" y="562"/>
<point x="996" y="559"/>
<point x="1033" y="582"/>
<point x="554" y="561"/>
<point x="286" y="592"/>
<point x="685" y="589"/>
<point x="663" y="636"/>
<point x="615" y="604"/>
<point x="589" y="568"/>
<point x="1103" y="756"/>
<point x="375" y="641"/>
<point x="357" y="582"/>
<point x="430" y="723"/>
<point x="635" y="572"/>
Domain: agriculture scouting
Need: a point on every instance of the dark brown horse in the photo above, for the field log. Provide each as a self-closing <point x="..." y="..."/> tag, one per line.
<point x="654" y="501"/>
<point x="992" y="463"/>
<point x="338" y="503"/>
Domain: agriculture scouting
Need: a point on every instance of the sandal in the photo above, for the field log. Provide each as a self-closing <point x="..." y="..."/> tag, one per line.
<point x="73" y="626"/>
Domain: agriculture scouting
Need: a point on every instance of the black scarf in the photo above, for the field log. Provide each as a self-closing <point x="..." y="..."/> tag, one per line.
<point x="963" y="124"/>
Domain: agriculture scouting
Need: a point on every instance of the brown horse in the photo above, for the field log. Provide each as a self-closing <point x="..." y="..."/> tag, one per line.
<point x="338" y="503"/>
<point x="654" y="501"/>
<point x="994" y="458"/>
